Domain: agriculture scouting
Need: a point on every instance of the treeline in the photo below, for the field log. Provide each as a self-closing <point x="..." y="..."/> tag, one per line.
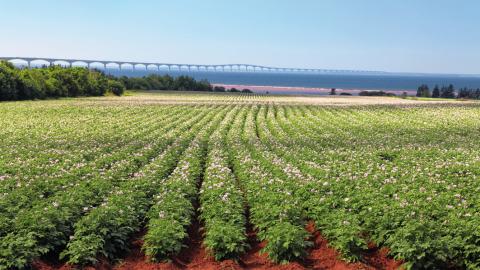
<point x="57" y="81"/>
<point x="231" y="90"/>
<point x="448" y="92"/>
<point x="376" y="93"/>
<point x="53" y="82"/>
<point x="369" y="93"/>
<point x="167" y="82"/>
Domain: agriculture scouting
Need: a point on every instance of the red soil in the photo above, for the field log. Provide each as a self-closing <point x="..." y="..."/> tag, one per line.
<point x="325" y="257"/>
<point x="253" y="259"/>
<point x="43" y="265"/>
<point x="378" y="257"/>
<point x="195" y="257"/>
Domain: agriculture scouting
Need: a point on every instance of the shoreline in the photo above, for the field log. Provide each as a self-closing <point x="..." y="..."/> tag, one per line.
<point x="302" y="90"/>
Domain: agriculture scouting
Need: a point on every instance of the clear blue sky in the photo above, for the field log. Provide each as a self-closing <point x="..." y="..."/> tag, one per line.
<point x="391" y="35"/>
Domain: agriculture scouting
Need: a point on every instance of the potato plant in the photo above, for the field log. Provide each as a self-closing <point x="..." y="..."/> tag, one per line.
<point x="80" y="178"/>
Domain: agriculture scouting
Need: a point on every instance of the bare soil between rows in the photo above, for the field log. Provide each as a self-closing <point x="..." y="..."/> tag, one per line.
<point x="196" y="257"/>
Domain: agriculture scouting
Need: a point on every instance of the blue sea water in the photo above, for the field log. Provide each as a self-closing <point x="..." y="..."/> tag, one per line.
<point x="387" y="81"/>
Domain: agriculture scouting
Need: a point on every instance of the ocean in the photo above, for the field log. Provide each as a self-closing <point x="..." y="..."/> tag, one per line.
<point x="311" y="83"/>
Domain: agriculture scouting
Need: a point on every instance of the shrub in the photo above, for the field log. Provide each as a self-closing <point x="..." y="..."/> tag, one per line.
<point x="286" y="242"/>
<point x="375" y="93"/>
<point x="116" y="87"/>
<point x="219" y="89"/>
<point x="32" y="84"/>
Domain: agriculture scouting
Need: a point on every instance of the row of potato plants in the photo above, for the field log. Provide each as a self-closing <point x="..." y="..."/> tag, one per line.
<point x="222" y="208"/>
<point x="432" y="230"/>
<point x="52" y="142"/>
<point x="38" y="192"/>
<point x="106" y="229"/>
<point x="46" y="226"/>
<point x="274" y="210"/>
<point x="341" y="228"/>
<point x="173" y="209"/>
<point x="21" y="199"/>
<point x="379" y="210"/>
<point x="43" y="192"/>
<point x="33" y="149"/>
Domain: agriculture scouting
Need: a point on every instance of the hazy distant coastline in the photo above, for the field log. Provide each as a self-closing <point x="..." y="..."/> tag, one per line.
<point x="297" y="90"/>
<point x="300" y="83"/>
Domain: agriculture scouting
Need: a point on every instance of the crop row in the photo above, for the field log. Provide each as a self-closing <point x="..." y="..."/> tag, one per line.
<point x="29" y="193"/>
<point x="221" y="200"/>
<point x="106" y="229"/>
<point x="274" y="211"/>
<point x="385" y="195"/>
<point x="405" y="178"/>
<point x="173" y="208"/>
<point x="47" y="225"/>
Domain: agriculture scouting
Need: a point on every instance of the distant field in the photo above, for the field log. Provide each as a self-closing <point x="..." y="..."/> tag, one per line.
<point x="210" y="181"/>
<point x="162" y="97"/>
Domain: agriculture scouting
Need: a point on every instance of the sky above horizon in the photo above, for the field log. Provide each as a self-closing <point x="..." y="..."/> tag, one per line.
<point x="432" y="36"/>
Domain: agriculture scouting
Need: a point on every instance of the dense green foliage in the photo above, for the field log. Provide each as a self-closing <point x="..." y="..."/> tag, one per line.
<point x="423" y="91"/>
<point x="469" y="93"/>
<point x="79" y="178"/>
<point x="448" y="92"/>
<point x="165" y="82"/>
<point x="57" y="81"/>
<point x="52" y="82"/>
<point x="117" y="88"/>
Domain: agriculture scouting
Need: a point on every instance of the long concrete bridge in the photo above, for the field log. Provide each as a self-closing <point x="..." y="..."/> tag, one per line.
<point x="146" y="66"/>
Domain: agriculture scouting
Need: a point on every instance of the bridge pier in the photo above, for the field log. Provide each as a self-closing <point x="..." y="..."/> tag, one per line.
<point x="159" y="66"/>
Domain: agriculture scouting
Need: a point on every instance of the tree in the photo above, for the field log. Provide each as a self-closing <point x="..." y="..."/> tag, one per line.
<point x="203" y="85"/>
<point x="53" y="81"/>
<point x="333" y="92"/>
<point x="423" y="91"/>
<point x="436" y="92"/>
<point x="33" y="84"/>
<point x="9" y="81"/>
<point x="219" y="89"/>
<point x="464" y="93"/>
<point x="448" y="92"/>
<point x="116" y="87"/>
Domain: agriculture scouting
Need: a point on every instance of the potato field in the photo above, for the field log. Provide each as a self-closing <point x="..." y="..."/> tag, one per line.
<point x="91" y="182"/>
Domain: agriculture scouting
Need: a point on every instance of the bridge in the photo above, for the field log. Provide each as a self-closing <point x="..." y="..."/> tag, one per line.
<point x="146" y="66"/>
